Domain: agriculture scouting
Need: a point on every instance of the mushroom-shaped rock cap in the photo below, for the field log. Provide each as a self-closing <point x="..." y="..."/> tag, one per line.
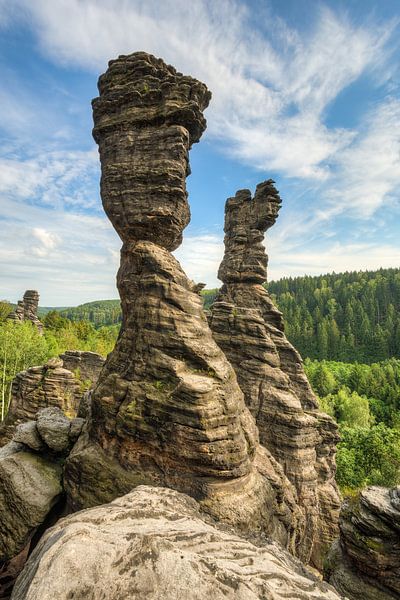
<point x="145" y="120"/>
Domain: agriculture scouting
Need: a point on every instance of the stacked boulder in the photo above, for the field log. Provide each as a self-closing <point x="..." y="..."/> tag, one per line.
<point x="249" y="329"/>
<point x="31" y="472"/>
<point x="26" y="309"/>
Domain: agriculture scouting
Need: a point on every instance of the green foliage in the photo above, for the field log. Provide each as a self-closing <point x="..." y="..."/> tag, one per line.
<point x="5" y="309"/>
<point x="21" y="346"/>
<point x="99" y="313"/>
<point x="365" y="401"/>
<point x="348" y="316"/>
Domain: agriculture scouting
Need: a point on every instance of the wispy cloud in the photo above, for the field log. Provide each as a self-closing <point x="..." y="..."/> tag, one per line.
<point x="273" y="87"/>
<point x="270" y="91"/>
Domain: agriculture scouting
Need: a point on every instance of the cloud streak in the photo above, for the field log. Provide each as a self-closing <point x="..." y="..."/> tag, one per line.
<point x="273" y="89"/>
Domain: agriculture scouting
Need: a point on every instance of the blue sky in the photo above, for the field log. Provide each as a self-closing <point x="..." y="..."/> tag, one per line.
<point x="305" y="92"/>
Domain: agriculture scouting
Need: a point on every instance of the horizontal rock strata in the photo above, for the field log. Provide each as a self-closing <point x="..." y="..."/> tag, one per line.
<point x="26" y="309"/>
<point x="40" y="387"/>
<point x="249" y="329"/>
<point x="167" y="409"/>
<point x="365" y="562"/>
<point x="155" y="544"/>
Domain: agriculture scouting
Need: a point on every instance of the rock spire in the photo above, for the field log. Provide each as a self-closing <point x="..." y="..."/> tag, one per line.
<point x="167" y="409"/>
<point x="249" y="329"/>
<point x="26" y="309"/>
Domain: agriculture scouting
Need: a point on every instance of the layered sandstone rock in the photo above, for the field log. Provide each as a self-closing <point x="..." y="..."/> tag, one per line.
<point x="249" y="329"/>
<point x="40" y="387"/>
<point x="85" y="365"/>
<point x="26" y="309"/>
<point x="154" y="543"/>
<point x="365" y="562"/>
<point x="167" y="409"/>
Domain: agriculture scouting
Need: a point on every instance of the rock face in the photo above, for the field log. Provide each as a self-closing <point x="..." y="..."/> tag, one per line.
<point x="249" y="329"/>
<point x="365" y="562"/>
<point x="155" y="544"/>
<point x="167" y="409"/>
<point x="30" y="485"/>
<point x="85" y="365"/>
<point x="27" y="308"/>
<point x="40" y="387"/>
<point x="31" y="489"/>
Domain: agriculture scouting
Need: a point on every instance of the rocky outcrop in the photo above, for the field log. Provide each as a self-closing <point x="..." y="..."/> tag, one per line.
<point x="154" y="543"/>
<point x="85" y="365"/>
<point x="31" y="492"/>
<point x="26" y="309"/>
<point x="167" y="409"/>
<point x="365" y="562"/>
<point x="40" y="387"/>
<point x="249" y="329"/>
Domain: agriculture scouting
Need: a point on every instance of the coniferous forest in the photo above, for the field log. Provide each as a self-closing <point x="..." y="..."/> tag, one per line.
<point x="347" y="316"/>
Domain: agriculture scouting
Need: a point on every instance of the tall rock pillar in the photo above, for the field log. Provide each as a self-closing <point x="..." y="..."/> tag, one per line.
<point x="249" y="329"/>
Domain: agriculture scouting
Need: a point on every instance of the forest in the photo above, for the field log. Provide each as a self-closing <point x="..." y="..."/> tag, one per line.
<point x="346" y="326"/>
<point x="348" y="317"/>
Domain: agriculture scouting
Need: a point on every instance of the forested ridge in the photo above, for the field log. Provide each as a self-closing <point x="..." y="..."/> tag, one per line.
<point x="352" y="316"/>
<point x="349" y="317"/>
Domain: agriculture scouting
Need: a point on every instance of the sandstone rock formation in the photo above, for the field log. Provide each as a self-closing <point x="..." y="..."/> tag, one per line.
<point x="40" y="387"/>
<point x="155" y="544"/>
<point x="86" y="366"/>
<point x="249" y="329"/>
<point x="167" y="409"/>
<point x="27" y="308"/>
<point x="365" y="563"/>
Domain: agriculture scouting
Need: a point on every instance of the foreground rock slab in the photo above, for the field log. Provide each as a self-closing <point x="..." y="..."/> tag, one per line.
<point x="153" y="543"/>
<point x="365" y="562"/>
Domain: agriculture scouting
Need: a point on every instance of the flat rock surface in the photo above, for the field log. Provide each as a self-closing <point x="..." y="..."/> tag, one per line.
<point x="153" y="543"/>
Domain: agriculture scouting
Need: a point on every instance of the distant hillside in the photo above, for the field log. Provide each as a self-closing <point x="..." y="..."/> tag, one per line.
<point x="352" y="316"/>
<point x="100" y="312"/>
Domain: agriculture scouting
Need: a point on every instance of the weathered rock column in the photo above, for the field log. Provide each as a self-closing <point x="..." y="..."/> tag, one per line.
<point x="26" y="309"/>
<point x="167" y="409"/>
<point x="249" y="329"/>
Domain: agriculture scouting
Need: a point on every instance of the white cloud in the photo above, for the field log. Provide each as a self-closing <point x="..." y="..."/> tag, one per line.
<point x="269" y="92"/>
<point x="47" y="241"/>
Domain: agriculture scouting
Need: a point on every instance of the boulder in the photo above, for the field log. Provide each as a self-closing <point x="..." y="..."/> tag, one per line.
<point x="365" y="561"/>
<point x="40" y="387"/>
<point x="154" y="543"/>
<point x="30" y="486"/>
<point x="53" y="427"/>
<point x="27" y="433"/>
